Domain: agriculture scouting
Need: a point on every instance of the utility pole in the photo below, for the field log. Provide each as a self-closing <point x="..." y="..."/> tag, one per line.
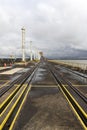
<point x="23" y="44"/>
<point x="35" y="55"/>
<point x="31" y="50"/>
<point x="38" y="55"/>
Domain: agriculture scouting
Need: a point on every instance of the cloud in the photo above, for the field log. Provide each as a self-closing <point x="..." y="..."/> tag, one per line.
<point x="50" y="25"/>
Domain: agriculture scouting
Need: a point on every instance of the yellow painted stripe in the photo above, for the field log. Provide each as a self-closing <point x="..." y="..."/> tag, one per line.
<point x="75" y="84"/>
<point x="13" y="122"/>
<point x="9" y="96"/>
<point x="79" y="85"/>
<point x="4" y="84"/>
<point x="76" y="103"/>
<point x="82" y="123"/>
<point x="41" y="86"/>
<point x="11" y="101"/>
<point x="6" y="118"/>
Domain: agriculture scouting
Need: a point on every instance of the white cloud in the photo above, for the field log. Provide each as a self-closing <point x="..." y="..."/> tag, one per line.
<point x="49" y="24"/>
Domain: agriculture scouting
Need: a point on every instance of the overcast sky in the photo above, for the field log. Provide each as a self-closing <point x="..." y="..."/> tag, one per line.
<point x="53" y="26"/>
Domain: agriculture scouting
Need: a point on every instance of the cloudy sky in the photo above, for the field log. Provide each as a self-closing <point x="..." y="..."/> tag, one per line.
<point x="57" y="27"/>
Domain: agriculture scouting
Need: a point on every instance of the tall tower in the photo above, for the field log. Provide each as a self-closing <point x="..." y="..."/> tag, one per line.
<point x="23" y="44"/>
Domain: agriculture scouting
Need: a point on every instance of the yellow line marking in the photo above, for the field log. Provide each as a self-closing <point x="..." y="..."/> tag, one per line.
<point x="20" y="84"/>
<point x="9" y="97"/>
<point x="4" y="84"/>
<point x="85" y="128"/>
<point x="10" y="101"/>
<point x="76" y="103"/>
<point x="44" y="86"/>
<point x="13" y="122"/>
<point x="6" y="118"/>
<point x="79" y="85"/>
<point x="1" y="105"/>
<point x="75" y="84"/>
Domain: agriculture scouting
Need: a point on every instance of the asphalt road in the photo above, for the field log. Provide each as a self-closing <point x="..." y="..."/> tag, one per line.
<point x="46" y="107"/>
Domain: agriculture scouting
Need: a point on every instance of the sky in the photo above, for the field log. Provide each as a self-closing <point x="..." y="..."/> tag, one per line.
<point x="58" y="28"/>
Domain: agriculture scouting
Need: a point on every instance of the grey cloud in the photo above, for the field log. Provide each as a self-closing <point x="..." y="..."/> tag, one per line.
<point x="49" y="24"/>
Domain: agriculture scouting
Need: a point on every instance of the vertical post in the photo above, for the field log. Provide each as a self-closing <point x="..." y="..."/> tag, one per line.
<point x="31" y="50"/>
<point x="34" y="54"/>
<point x="38" y="55"/>
<point x="23" y="44"/>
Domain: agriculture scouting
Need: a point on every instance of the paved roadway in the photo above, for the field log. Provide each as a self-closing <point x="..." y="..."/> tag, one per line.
<point x="46" y="107"/>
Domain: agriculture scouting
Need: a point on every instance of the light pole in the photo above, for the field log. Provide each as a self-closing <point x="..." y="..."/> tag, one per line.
<point x="31" y="50"/>
<point x="23" y="44"/>
<point x="38" y="55"/>
<point x="34" y="53"/>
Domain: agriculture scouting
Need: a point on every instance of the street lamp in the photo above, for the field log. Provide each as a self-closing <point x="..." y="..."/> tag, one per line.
<point x="23" y="44"/>
<point x="31" y="50"/>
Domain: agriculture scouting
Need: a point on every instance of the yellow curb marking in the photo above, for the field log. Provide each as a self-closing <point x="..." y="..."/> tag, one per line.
<point x="85" y="128"/>
<point x="13" y="122"/>
<point x="6" y="118"/>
